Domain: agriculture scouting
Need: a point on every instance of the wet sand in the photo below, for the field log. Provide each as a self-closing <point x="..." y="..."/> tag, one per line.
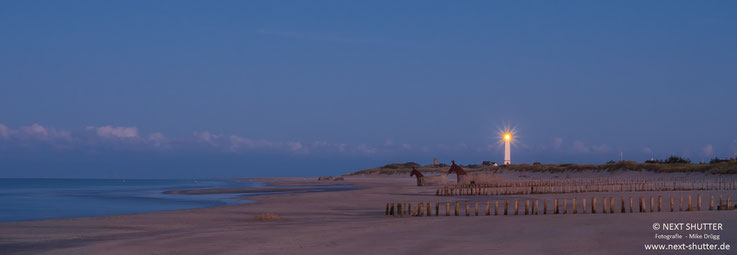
<point x="353" y="222"/>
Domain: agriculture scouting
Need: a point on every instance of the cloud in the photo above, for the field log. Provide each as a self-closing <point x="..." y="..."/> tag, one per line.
<point x="205" y="137"/>
<point x="708" y="150"/>
<point x="557" y="142"/>
<point x="115" y="132"/>
<point x="3" y="132"/>
<point x="601" y="148"/>
<point x="580" y="147"/>
<point x="35" y="130"/>
<point x="647" y="150"/>
<point x="157" y="139"/>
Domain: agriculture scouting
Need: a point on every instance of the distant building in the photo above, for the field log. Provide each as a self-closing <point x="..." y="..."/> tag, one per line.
<point x="488" y="163"/>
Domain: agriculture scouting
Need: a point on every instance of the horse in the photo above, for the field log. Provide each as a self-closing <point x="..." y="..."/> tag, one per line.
<point x="458" y="170"/>
<point x="420" y="176"/>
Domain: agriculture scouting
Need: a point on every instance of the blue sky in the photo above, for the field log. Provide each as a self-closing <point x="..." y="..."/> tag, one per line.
<point x="140" y="89"/>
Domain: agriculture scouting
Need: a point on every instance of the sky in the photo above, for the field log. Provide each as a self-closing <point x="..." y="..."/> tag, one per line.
<point x="202" y="89"/>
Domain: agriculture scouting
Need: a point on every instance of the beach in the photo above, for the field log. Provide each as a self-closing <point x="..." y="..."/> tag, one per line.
<point x="354" y="222"/>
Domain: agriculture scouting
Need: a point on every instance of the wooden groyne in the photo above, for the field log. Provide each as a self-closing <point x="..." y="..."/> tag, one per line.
<point x="585" y="186"/>
<point x="606" y="205"/>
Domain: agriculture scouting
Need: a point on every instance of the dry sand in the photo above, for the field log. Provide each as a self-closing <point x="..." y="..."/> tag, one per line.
<point x="353" y="222"/>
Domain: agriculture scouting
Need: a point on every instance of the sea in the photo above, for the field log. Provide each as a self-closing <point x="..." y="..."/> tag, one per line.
<point x="37" y="199"/>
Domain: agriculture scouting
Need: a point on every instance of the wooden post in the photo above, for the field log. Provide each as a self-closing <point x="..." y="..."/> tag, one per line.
<point x="642" y="206"/>
<point x="420" y="209"/>
<point x="476" y="208"/>
<point x="429" y="209"/>
<point x="593" y="205"/>
<point x="545" y="206"/>
<point x="516" y="207"/>
<point x="711" y="203"/>
<point x="468" y="209"/>
<point x="457" y="208"/>
<point x="689" y="203"/>
<point x="496" y="208"/>
<point x="611" y="204"/>
<point x="409" y="210"/>
<point x="565" y="206"/>
<point x="660" y="202"/>
<point x="437" y="208"/>
<point x="630" y="204"/>
<point x="671" y="204"/>
<point x="729" y="203"/>
<point x="537" y="207"/>
<point x="575" y="208"/>
<point x="391" y="210"/>
<point x="527" y="207"/>
<point x="603" y="205"/>
<point x="583" y="205"/>
<point x="506" y="205"/>
<point x="399" y="210"/>
<point x="555" y="206"/>
<point x="652" y="204"/>
<point x="698" y="203"/>
<point x="623" y="207"/>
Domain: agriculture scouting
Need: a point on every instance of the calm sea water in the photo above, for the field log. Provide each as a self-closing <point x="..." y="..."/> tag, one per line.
<point x="34" y="199"/>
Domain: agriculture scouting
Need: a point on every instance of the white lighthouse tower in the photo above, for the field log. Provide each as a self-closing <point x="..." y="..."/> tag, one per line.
<point x="507" y="156"/>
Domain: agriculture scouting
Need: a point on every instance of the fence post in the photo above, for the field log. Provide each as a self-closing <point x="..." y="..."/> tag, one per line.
<point x="671" y="203"/>
<point x="555" y="206"/>
<point x="537" y="207"/>
<point x="429" y="209"/>
<point x="611" y="204"/>
<point x="711" y="203"/>
<point x="652" y="204"/>
<point x="476" y="208"/>
<point x="689" y="203"/>
<point x="593" y="205"/>
<point x="399" y="210"/>
<point x="527" y="207"/>
<point x="545" y="206"/>
<point x="660" y="201"/>
<point x="516" y="207"/>
<point x="488" y="212"/>
<point x="623" y="207"/>
<point x="630" y="204"/>
<point x="468" y="210"/>
<point x="603" y="205"/>
<point x="496" y="207"/>
<point x="583" y="205"/>
<point x="575" y="208"/>
<point x="506" y="205"/>
<point x="698" y="202"/>
<point x="565" y="206"/>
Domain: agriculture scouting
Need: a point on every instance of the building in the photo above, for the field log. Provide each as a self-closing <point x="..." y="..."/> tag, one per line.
<point x="488" y="163"/>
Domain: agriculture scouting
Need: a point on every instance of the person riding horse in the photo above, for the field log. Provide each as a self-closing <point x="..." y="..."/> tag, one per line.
<point x="420" y="176"/>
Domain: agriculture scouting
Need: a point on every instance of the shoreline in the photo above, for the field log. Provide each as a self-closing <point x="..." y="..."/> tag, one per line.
<point x="350" y="221"/>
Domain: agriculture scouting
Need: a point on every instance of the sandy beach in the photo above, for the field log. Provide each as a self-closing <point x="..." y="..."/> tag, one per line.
<point x="354" y="222"/>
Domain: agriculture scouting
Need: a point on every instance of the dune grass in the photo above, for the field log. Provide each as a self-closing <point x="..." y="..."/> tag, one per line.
<point x="717" y="168"/>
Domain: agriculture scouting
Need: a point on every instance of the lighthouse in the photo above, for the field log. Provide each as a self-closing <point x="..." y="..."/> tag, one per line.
<point x="507" y="156"/>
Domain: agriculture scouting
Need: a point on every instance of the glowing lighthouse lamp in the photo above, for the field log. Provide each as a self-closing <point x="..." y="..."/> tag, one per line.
<point x="507" y="156"/>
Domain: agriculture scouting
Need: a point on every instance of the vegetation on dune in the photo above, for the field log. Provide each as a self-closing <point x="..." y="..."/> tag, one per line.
<point x="670" y="165"/>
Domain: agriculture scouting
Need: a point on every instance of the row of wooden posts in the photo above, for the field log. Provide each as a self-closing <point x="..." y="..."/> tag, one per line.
<point x="548" y="188"/>
<point x="531" y="207"/>
<point x="686" y="183"/>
